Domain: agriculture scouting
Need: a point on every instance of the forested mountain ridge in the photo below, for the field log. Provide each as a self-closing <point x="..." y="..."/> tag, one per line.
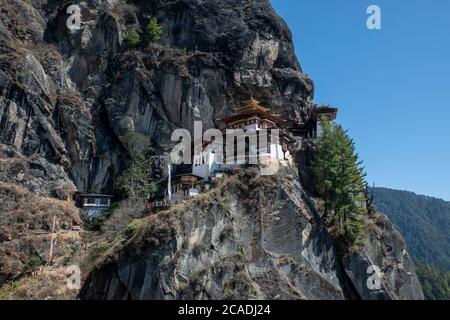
<point x="423" y="221"/>
<point x="435" y="283"/>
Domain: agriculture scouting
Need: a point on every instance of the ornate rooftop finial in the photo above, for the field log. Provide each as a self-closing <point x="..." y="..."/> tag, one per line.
<point x="252" y="102"/>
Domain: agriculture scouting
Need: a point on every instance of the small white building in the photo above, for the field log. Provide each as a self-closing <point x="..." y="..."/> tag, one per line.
<point x="320" y="112"/>
<point x="93" y="204"/>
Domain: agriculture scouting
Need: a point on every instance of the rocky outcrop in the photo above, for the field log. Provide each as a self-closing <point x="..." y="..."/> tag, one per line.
<point x="385" y="250"/>
<point x="72" y="98"/>
<point x="254" y="237"/>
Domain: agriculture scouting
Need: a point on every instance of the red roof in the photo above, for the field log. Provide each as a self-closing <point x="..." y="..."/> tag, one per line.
<point x="252" y="113"/>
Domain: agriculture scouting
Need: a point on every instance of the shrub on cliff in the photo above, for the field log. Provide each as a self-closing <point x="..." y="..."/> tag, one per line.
<point x="136" y="181"/>
<point x="132" y="38"/>
<point x="133" y="226"/>
<point x="339" y="179"/>
<point x="153" y="31"/>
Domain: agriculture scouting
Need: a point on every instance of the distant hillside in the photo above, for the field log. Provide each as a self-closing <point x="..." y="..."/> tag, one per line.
<point x="423" y="221"/>
<point x="435" y="283"/>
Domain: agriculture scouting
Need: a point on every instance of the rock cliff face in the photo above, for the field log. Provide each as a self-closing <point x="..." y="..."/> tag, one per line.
<point x="70" y="100"/>
<point x="253" y="237"/>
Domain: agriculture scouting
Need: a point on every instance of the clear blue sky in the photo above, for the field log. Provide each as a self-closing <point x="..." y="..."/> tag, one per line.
<point x="392" y="86"/>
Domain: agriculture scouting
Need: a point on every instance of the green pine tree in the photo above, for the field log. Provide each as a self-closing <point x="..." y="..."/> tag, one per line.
<point x="136" y="181"/>
<point x="132" y="38"/>
<point x="339" y="179"/>
<point x="153" y="31"/>
<point x="435" y="283"/>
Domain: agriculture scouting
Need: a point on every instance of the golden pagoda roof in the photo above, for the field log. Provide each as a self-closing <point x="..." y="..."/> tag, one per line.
<point x="251" y="105"/>
<point x="252" y="108"/>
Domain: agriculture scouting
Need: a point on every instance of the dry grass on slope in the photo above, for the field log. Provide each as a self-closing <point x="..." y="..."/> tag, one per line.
<point x="22" y="211"/>
<point x="25" y="224"/>
<point x="50" y="285"/>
